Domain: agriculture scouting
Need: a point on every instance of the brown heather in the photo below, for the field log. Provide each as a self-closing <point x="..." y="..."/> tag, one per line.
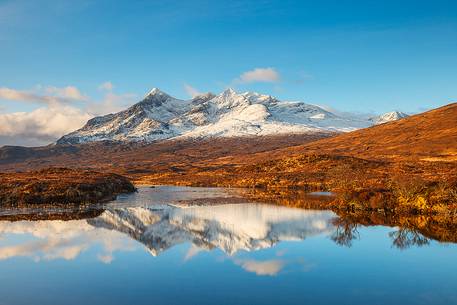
<point x="60" y="186"/>
<point x="407" y="166"/>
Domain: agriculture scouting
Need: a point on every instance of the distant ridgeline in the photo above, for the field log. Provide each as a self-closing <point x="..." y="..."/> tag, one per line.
<point x="229" y="114"/>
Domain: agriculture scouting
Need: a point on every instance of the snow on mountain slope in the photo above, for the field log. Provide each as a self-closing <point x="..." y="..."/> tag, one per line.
<point x="159" y="116"/>
<point x="388" y="117"/>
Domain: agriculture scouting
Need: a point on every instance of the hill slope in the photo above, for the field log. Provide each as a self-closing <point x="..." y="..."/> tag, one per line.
<point x="405" y="153"/>
<point x="428" y="136"/>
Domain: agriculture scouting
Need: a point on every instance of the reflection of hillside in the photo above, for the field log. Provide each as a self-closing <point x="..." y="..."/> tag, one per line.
<point x="414" y="230"/>
<point x="441" y="226"/>
<point x="231" y="227"/>
<point x="43" y="214"/>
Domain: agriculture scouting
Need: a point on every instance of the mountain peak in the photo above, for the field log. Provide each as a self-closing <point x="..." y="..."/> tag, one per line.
<point x="228" y="91"/>
<point x="389" y="117"/>
<point x="156" y="91"/>
<point x="397" y="114"/>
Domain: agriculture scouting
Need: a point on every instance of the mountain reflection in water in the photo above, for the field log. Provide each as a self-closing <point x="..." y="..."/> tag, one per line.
<point x="165" y="217"/>
<point x="230" y="228"/>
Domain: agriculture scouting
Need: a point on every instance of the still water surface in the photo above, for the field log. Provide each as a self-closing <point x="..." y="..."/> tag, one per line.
<point x="166" y="246"/>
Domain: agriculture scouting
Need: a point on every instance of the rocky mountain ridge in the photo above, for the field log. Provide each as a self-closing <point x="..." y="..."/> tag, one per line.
<point x="160" y="116"/>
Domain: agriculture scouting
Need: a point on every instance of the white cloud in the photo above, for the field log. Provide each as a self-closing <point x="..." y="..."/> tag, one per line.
<point x="42" y="125"/>
<point x="55" y="95"/>
<point x="106" y="86"/>
<point x="191" y="90"/>
<point x="111" y="103"/>
<point x="263" y="75"/>
<point x="57" y="117"/>
<point x="24" y="96"/>
<point x="69" y="92"/>
<point x="51" y="240"/>
<point x="14" y="95"/>
<point x="269" y="267"/>
<point x="105" y="258"/>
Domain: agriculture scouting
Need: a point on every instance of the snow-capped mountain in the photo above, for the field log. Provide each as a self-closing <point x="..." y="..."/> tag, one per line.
<point x="230" y="114"/>
<point x="388" y="117"/>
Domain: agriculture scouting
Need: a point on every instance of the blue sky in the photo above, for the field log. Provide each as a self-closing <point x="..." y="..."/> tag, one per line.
<point x="360" y="56"/>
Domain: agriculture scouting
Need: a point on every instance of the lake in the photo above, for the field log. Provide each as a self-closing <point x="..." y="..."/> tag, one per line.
<point x="176" y="245"/>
